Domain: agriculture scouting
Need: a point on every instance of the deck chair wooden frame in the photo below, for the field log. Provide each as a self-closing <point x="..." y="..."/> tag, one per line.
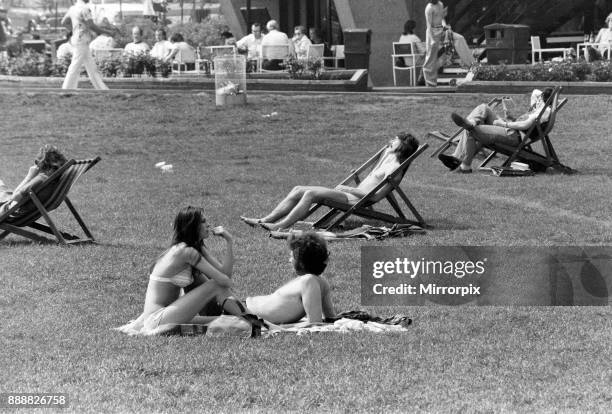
<point x="43" y="199"/>
<point x="453" y="139"/>
<point x="539" y="132"/>
<point x="364" y="207"/>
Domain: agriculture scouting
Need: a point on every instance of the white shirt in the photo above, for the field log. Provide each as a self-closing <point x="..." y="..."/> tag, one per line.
<point x="79" y="13"/>
<point x="64" y="51"/>
<point x="250" y="43"/>
<point x="301" y="46"/>
<point x="184" y="52"/>
<point x="161" y="49"/>
<point x="276" y="38"/>
<point x="102" y="42"/>
<point x="136" y="48"/>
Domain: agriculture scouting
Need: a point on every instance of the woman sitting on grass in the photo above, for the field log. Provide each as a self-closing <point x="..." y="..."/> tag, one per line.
<point x="49" y="160"/>
<point x="308" y="294"/>
<point x="187" y="262"/>
<point x="296" y="205"/>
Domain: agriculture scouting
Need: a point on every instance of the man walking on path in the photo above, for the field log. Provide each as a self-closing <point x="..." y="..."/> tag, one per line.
<point x="79" y="15"/>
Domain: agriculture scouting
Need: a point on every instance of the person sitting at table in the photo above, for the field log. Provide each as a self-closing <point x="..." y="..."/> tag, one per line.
<point x="138" y="46"/>
<point x="604" y="42"/>
<point x="275" y="38"/>
<point x="182" y="52"/>
<point x="251" y="43"/>
<point x="300" y="42"/>
<point x="408" y="36"/>
<point x="103" y="40"/>
<point x="162" y="46"/>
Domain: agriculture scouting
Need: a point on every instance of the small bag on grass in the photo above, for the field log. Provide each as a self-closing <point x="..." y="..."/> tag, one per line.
<point x="245" y="326"/>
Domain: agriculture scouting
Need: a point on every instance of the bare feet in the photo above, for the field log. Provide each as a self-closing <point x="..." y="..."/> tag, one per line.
<point x="269" y="226"/>
<point x="250" y="221"/>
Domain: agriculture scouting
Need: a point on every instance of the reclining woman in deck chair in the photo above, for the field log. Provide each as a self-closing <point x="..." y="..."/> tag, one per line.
<point x="187" y="263"/>
<point x="297" y="204"/>
<point x="483" y="127"/>
<point x="308" y="294"/>
<point x="49" y="160"/>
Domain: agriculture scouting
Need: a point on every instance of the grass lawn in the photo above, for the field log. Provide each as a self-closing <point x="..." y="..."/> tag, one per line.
<point x="58" y="304"/>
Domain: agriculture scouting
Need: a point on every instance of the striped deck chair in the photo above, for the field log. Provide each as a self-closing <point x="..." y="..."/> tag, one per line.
<point x="539" y="132"/>
<point x="43" y="199"/>
<point x="385" y="190"/>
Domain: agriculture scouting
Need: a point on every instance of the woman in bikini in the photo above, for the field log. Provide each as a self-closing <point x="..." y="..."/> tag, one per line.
<point x="188" y="265"/>
<point x="297" y="204"/>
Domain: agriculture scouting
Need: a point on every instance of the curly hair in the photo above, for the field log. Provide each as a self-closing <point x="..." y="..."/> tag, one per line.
<point x="49" y="159"/>
<point x="409" y="144"/>
<point x="309" y="253"/>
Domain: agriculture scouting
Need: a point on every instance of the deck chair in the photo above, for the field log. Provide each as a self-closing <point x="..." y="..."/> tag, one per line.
<point x="43" y="199"/>
<point x="539" y="132"/>
<point x="384" y="190"/>
<point x="452" y="139"/>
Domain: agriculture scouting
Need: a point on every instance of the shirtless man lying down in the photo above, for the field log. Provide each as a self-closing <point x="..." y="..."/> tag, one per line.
<point x="308" y="294"/>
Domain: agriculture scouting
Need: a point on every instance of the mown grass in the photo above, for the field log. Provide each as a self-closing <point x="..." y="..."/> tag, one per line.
<point x="58" y="304"/>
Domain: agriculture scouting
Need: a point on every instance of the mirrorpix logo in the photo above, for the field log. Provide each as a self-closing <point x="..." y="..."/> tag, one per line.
<point x="580" y="276"/>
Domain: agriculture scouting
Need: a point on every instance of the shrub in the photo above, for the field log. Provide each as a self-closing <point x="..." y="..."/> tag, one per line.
<point x="566" y="71"/>
<point x="304" y="68"/>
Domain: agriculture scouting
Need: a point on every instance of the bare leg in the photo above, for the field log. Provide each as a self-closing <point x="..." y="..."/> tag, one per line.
<point x="187" y="306"/>
<point x="309" y="197"/>
<point x="284" y="207"/>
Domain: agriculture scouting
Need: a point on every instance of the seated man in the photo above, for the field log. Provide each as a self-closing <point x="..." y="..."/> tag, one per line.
<point x="297" y="204"/>
<point x="483" y="127"/>
<point x="308" y="294"/>
<point x="274" y="37"/>
<point x="251" y="43"/>
<point x="137" y="47"/>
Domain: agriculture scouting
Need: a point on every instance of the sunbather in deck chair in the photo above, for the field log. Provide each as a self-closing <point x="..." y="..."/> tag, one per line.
<point x="41" y="192"/>
<point x="387" y="169"/>
<point x="483" y="128"/>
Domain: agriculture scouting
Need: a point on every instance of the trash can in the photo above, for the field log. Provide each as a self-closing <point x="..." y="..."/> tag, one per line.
<point x="508" y="43"/>
<point x="230" y="80"/>
<point x="357" y="48"/>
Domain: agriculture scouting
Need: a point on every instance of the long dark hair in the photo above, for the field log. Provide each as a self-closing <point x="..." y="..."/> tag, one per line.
<point x="187" y="227"/>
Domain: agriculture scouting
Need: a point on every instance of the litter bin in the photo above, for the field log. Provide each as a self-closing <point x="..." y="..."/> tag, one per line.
<point x="357" y="48"/>
<point x="507" y="42"/>
<point x="230" y="80"/>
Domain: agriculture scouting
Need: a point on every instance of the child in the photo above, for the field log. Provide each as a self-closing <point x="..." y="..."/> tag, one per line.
<point x="308" y="294"/>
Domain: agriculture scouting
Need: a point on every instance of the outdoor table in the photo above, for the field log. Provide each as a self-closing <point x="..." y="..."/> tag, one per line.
<point x="595" y="45"/>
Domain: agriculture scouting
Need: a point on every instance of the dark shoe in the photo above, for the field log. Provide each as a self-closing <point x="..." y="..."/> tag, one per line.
<point x="421" y="80"/>
<point x="462" y="171"/>
<point x="462" y="122"/>
<point x="449" y="161"/>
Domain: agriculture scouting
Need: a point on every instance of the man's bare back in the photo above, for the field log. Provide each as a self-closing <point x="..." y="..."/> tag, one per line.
<point x="306" y="295"/>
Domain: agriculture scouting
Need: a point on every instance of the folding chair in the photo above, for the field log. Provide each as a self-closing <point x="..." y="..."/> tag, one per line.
<point x="537" y="48"/>
<point x="411" y="60"/>
<point x="315" y="52"/>
<point x="43" y="199"/>
<point x="538" y="132"/>
<point x="273" y="52"/>
<point x="453" y="139"/>
<point x="384" y="190"/>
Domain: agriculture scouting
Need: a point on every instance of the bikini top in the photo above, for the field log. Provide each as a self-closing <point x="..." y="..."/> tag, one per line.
<point x="175" y="265"/>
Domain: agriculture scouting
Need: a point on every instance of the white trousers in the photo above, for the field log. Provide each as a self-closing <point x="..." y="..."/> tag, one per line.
<point x="81" y="56"/>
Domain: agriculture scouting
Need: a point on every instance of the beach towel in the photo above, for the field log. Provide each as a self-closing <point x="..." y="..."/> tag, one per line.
<point x="364" y="232"/>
